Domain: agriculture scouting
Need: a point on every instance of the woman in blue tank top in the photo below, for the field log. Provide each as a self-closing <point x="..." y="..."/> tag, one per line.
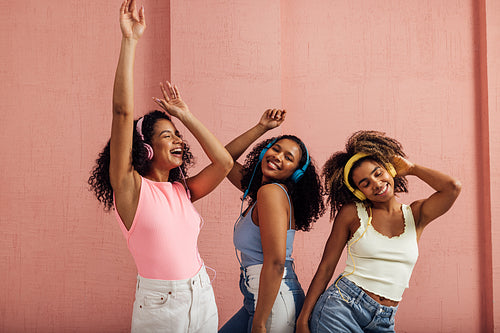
<point x="284" y="195"/>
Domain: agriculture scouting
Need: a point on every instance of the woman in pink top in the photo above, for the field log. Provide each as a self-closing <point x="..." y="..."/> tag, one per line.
<point x="140" y="173"/>
<point x="381" y="235"/>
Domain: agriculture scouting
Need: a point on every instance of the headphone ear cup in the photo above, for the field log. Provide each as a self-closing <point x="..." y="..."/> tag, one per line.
<point x="297" y="175"/>
<point x="360" y="195"/>
<point x="150" y="151"/>
<point x="392" y="171"/>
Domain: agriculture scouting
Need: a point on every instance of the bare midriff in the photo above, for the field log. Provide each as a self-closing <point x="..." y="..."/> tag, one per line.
<point x="381" y="300"/>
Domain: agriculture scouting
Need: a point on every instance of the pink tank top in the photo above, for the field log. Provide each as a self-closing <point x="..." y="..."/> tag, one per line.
<point x="163" y="238"/>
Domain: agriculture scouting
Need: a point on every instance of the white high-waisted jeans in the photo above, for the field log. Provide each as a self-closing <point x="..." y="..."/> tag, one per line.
<point x="175" y="306"/>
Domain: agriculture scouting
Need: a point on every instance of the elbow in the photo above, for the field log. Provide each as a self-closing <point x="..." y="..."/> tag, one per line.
<point x="278" y="266"/>
<point x="227" y="163"/>
<point x="455" y="187"/>
<point x="120" y="109"/>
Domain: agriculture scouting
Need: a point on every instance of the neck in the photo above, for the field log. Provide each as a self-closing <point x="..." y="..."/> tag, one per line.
<point x="389" y="206"/>
<point x="158" y="175"/>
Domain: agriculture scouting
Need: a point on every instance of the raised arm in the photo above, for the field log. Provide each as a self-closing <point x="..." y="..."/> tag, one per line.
<point x="124" y="182"/>
<point x="447" y="190"/>
<point x="333" y="250"/>
<point x="270" y="119"/>
<point x="273" y="216"/>
<point x="208" y="178"/>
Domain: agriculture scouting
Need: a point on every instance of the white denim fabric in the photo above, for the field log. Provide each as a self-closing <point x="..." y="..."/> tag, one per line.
<point x="180" y="306"/>
<point x="286" y="307"/>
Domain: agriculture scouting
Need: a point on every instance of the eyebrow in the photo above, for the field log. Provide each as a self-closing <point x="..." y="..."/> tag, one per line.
<point x="286" y="151"/>
<point x="371" y="173"/>
<point x="166" y="131"/>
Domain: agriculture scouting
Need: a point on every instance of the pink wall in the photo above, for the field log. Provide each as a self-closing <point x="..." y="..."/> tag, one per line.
<point x="424" y="72"/>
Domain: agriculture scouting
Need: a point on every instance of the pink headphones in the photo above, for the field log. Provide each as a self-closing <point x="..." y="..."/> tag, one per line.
<point x="147" y="146"/>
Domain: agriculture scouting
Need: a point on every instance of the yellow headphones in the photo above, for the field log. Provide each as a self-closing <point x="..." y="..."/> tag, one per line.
<point x="356" y="157"/>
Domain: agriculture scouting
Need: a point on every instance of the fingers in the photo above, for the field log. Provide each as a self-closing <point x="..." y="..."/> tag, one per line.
<point x="142" y="16"/>
<point x="177" y="93"/>
<point x="276" y="114"/>
<point x="169" y="92"/>
<point x="123" y="7"/>
<point x="132" y="6"/>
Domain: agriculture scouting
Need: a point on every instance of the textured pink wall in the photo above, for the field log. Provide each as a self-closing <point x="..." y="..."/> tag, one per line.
<point x="424" y="72"/>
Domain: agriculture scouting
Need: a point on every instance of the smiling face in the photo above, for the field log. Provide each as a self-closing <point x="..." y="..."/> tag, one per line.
<point x="374" y="181"/>
<point x="281" y="160"/>
<point x="167" y="145"/>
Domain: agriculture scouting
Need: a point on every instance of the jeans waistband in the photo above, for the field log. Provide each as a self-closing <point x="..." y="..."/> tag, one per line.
<point x="357" y="294"/>
<point x="288" y="271"/>
<point x="200" y="279"/>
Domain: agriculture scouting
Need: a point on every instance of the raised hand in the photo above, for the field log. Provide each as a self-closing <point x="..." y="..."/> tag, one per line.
<point x="132" y="22"/>
<point x="272" y="118"/>
<point x="172" y="101"/>
<point x="402" y="165"/>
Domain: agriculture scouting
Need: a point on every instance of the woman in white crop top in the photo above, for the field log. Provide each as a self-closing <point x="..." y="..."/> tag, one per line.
<point x="140" y="173"/>
<point x="381" y="235"/>
<point x="285" y="194"/>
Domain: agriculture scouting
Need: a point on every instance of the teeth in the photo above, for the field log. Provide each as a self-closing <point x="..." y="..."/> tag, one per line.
<point x="383" y="190"/>
<point x="176" y="151"/>
<point x="273" y="165"/>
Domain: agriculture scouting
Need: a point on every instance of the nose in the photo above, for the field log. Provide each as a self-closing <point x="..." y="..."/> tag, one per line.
<point x="177" y="139"/>
<point x="378" y="184"/>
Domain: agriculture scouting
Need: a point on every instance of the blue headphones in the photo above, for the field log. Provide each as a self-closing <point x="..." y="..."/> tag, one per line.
<point x="295" y="177"/>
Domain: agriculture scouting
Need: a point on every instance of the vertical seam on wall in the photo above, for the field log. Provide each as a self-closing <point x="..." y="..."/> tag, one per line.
<point x="483" y="169"/>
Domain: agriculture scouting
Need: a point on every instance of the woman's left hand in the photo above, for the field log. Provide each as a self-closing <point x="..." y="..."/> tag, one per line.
<point x="172" y="102"/>
<point x="402" y="165"/>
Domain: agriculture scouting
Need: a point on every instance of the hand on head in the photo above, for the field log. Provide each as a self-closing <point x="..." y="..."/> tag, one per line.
<point x="402" y="165"/>
<point x="272" y="118"/>
<point x="132" y="22"/>
<point x="171" y="102"/>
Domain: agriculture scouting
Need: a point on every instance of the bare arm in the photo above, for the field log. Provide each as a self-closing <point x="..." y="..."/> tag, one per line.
<point x="447" y="190"/>
<point x="208" y="178"/>
<point x="273" y="216"/>
<point x="124" y="181"/>
<point x="270" y="119"/>
<point x="331" y="255"/>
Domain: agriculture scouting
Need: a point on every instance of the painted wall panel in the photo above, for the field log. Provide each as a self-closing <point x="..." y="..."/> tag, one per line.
<point x="425" y="72"/>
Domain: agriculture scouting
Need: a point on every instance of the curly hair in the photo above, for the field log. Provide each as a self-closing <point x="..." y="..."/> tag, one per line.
<point x="99" y="176"/>
<point x="380" y="149"/>
<point x="306" y="194"/>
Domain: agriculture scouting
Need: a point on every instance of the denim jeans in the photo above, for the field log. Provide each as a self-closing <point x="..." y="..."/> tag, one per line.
<point x="285" y="310"/>
<point x="180" y="306"/>
<point x="358" y="313"/>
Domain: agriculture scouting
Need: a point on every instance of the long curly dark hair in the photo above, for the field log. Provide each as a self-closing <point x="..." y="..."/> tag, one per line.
<point x="380" y="149"/>
<point x="99" y="177"/>
<point x="306" y="194"/>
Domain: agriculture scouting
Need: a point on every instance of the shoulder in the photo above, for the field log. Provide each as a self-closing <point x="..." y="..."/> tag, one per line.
<point x="271" y="193"/>
<point x="347" y="216"/>
<point x="415" y="209"/>
<point x="348" y="210"/>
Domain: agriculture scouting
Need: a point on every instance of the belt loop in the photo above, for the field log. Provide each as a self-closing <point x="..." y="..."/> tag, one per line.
<point x="393" y="314"/>
<point x="360" y="296"/>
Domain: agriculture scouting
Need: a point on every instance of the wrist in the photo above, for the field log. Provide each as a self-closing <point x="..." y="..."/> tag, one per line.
<point x="186" y="117"/>
<point x="261" y="128"/>
<point x="129" y="41"/>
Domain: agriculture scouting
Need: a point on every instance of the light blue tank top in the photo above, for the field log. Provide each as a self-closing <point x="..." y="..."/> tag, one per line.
<point x="246" y="238"/>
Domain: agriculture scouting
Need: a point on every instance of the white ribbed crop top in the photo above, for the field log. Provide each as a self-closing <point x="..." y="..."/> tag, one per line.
<point x="382" y="265"/>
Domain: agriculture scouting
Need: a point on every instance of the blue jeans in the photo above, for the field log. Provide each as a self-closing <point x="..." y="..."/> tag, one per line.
<point x="358" y="313"/>
<point x="285" y="310"/>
